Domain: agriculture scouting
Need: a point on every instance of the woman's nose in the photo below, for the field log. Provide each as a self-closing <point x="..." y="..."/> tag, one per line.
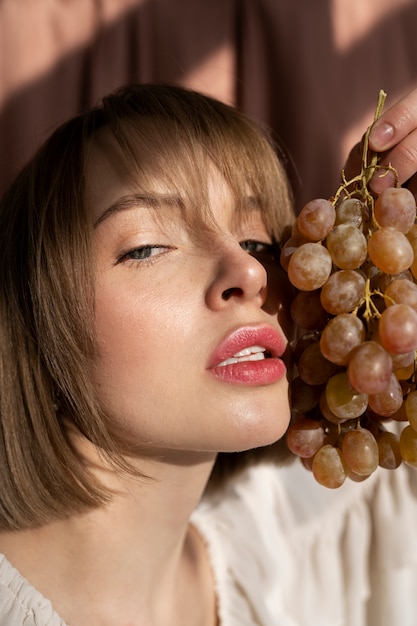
<point x="238" y="277"/>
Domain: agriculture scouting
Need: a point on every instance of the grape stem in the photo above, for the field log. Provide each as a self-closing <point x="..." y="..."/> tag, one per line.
<point x="368" y="170"/>
<point x="359" y="184"/>
<point x="371" y="310"/>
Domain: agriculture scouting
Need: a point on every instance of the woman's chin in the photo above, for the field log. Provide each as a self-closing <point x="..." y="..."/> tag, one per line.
<point x="261" y="433"/>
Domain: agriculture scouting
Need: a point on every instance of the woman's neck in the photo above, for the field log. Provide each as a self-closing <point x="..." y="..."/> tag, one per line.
<point x="135" y="561"/>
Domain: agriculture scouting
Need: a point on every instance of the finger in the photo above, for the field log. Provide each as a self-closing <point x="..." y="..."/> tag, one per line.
<point x="403" y="158"/>
<point x="395" y="124"/>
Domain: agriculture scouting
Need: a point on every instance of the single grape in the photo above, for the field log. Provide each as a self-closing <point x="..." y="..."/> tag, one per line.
<point x="307" y="311"/>
<point x="342" y="292"/>
<point x="343" y="401"/>
<point x="288" y="249"/>
<point x="389" y="400"/>
<point x="360" y="451"/>
<point x="347" y="246"/>
<point x="389" y="450"/>
<point x="307" y="463"/>
<point x="411" y="409"/>
<point x="309" y="266"/>
<point x="390" y="250"/>
<point x="327" y="414"/>
<point x="408" y="446"/>
<point x="328" y="467"/>
<point x="395" y="207"/>
<point x="303" y="342"/>
<point x="397" y="328"/>
<point x="350" y="211"/>
<point x="313" y="367"/>
<point x="316" y="219"/>
<point x="402" y="291"/>
<point x="342" y="333"/>
<point x="382" y="281"/>
<point x="304" y="397"/>
<point x="404" y="373"/>
<point x="369" y="368"/>
<point x="305" y="436"/>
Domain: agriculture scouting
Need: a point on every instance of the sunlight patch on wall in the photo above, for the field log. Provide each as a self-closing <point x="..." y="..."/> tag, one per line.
<point x="353" y="20"/>
<point x="35" y="36"/>
<point x="214" y="76"/>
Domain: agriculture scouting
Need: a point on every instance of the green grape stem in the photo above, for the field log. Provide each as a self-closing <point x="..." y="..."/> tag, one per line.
<point x="358" y="185"/>
<point x="368" y="170"/>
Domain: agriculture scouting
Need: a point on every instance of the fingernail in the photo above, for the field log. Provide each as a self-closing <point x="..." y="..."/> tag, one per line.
<point x="381" y="136"/>
<point x="382" y="179"/>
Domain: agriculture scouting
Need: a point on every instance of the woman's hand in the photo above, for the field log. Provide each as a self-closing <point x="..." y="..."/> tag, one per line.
<point x="394" y="136"/>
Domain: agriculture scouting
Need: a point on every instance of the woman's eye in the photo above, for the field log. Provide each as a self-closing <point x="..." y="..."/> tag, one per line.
<point x="253" y="246"/>
<point x="259" y="247"/>
<point x="142" y="253"/>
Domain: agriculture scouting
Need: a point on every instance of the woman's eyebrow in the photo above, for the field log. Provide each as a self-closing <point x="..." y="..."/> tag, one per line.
<point x="136" y="200"/>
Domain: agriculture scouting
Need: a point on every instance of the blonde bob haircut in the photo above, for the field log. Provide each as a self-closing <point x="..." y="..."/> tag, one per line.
<point x="47" y="279"/>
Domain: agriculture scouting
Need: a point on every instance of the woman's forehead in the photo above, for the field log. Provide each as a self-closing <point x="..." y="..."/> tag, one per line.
<point x="112" y="184"/>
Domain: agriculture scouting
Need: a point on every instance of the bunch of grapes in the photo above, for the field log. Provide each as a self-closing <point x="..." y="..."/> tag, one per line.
<point x="353" y="262"/>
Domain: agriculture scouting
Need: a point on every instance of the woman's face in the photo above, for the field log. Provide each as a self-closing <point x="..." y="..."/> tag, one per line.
<point x="188" y="356"/>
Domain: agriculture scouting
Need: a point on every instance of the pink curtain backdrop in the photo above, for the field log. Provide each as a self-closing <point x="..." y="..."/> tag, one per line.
<point x="310" y="70"/>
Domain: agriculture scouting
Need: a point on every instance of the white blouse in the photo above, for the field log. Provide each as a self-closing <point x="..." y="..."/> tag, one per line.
<point x="288" y="552"/>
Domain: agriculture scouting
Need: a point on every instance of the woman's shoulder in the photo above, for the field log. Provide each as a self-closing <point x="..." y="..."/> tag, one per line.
<point x="20" y="603"/>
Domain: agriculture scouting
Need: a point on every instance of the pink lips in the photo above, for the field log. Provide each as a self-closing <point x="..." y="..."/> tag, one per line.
<point x="239" y="359"/>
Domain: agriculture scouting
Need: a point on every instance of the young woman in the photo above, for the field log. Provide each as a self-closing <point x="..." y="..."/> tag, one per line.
<point x="138" y="340"/>
<point x="143" y="350"/>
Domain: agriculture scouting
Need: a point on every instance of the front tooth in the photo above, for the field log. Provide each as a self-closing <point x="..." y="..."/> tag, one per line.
<point x="247" y="351"/>
<point x="248" y="356"/>
<point x="229" y="361"/>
